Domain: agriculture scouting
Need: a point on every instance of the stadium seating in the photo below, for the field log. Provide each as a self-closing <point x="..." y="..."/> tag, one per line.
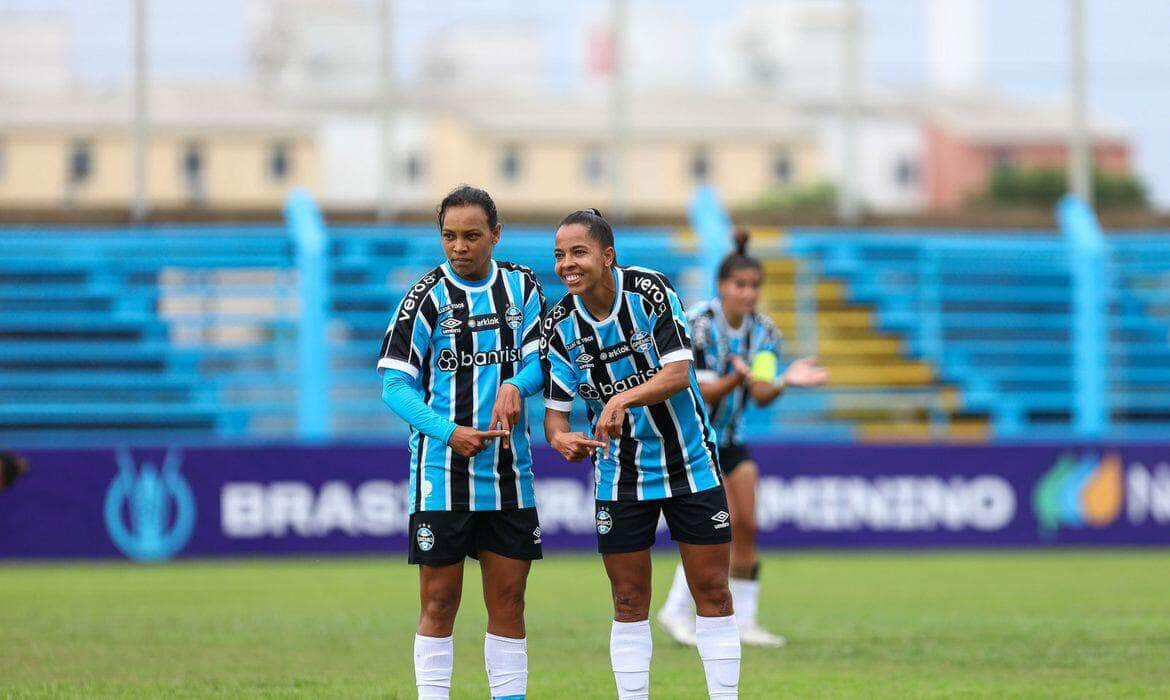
<point x="190" y="332"/>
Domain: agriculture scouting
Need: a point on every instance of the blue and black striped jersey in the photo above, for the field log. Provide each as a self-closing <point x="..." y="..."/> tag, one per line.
<point x="460" y="340"/>
<point x="715" y="344"/>
<point x="666" y="449"/>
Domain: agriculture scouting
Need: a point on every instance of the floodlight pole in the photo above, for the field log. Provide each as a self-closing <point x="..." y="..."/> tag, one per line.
<point x="139" y="134"/>
<point x="1080" y="176"/>
<point x="619" y="110"/>
<point x="848" y="204"/>
<point x="387" y="94"/>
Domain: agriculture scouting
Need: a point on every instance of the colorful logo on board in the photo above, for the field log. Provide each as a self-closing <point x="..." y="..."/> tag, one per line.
<point x="149" y="513"/>
<point x="1078" y="492"/>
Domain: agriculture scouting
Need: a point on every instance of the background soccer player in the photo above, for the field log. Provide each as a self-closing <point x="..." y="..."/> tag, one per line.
<point x="459" y="357"/>
<point x="620" y="341"/>
<point x="736" y="352"/>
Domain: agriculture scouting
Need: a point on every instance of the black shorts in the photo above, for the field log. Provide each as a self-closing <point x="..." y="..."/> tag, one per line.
<point x="733" y="455"/>
<point x="439" y="538"/>
<point x="696" y="518"/>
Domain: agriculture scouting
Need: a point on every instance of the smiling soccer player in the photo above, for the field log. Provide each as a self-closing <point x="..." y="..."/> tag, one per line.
<point x="620" y="341"/>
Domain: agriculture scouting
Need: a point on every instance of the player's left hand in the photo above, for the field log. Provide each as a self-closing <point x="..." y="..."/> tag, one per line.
<point x="805" y="372"/>
<point x="609" y="423"/>
<point x="506" y="411"/>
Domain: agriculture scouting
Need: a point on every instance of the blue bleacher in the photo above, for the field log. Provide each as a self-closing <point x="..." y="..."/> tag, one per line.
<point x="170" y="333"/>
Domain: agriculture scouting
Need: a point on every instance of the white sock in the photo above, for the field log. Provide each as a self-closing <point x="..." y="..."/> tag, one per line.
<point x="718" y="640"/>
<point x="433" y="659"/>
<point x="679" y="601"/>
<point x="745" y="596"/>
<point x="506" y="660"/>
<point x="630" y="648"/>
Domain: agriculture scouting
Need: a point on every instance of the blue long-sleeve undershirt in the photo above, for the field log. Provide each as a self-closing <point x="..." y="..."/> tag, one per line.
<point x="530" y="379"/>
<point x="402" y="395"/>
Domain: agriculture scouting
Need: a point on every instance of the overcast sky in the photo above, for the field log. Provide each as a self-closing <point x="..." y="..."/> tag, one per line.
<point x="1129" y="59"/>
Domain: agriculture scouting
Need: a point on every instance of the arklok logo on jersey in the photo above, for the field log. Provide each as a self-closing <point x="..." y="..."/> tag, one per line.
<point x="149" y="515"/>
<point x="604" y="521"/>
<point x="513" y="316"/>
<point x="425" y="538"/>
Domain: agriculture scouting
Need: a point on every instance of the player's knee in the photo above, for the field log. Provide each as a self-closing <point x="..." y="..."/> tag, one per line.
<point x="440" y="607"/>
<point x="712" y="596"/>
<point x="631" y="603"/>
<point x="508" y="602"/>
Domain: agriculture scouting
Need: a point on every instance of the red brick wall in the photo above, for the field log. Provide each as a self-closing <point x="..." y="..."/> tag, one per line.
<point x="958" y="168"/>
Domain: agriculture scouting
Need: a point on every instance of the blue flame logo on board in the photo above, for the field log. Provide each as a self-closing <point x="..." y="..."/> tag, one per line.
<point x="150" y="513"/>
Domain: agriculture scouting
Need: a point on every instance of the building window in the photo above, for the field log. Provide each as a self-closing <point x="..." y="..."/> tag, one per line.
<point x="782" y="167"/>
<point x="593" y="164"/>
<point x="906" y="173"/>
<point x="510" y="164"/>
<point x="700" y="164"/>
<point x="414" y="168"/>
<point x="80" y="162"/>
<point x="279" y="161"/>
<point x="192" y="166"/>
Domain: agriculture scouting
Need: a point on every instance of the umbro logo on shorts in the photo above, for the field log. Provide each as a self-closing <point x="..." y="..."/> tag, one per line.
<point x="722" y="519"/>
<point x="536" y="536"/>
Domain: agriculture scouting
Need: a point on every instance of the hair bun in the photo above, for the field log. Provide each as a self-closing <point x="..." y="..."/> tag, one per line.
<point x="741" y="236"/>
<point x="594" y="211"/>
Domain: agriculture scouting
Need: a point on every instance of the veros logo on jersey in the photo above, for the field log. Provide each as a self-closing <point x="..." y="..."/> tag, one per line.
<point x="412" y="297"/>
<point x="653" y="292"/>
<point x="604" y="522"/>
<point x="450" y="325"/>
<point x="514" y="317"/>
<point x="585" y="361"/>
<point x="449" y="361"/>
<point x="641" y="341"/>
<point x="425" y="538"/>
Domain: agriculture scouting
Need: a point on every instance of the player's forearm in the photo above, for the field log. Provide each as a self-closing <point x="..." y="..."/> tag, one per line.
<point x="530" y="379"/>
<point x="556" y="423"/>
<point x="400" y="394"/>
<point x="715" y="390"/>
<point x="670" y="380"/>
<point x="764" y="393"/>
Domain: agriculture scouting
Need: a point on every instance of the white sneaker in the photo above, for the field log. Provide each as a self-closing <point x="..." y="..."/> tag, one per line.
<point x="681" y="628"/>
<point x="756" y="636"/>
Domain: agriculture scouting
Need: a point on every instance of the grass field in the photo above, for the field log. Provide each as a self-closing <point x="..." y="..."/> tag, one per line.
<point x="993" y="624"/>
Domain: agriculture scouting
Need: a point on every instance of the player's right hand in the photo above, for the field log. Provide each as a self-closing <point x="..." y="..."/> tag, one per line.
<point x="575" y="446"/>
<point x="469" y="442"/>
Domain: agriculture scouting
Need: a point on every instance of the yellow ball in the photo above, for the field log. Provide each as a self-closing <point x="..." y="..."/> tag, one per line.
<point x="764" y="366"/>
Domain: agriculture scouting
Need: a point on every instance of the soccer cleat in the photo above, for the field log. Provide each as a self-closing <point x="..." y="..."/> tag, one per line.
<point x="680" y="628"/>
<point x="756" y="636"/>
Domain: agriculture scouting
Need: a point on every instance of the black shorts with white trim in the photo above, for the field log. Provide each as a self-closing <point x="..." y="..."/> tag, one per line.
<point x="440" y="538"/>
<point x="693" y="518"/>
